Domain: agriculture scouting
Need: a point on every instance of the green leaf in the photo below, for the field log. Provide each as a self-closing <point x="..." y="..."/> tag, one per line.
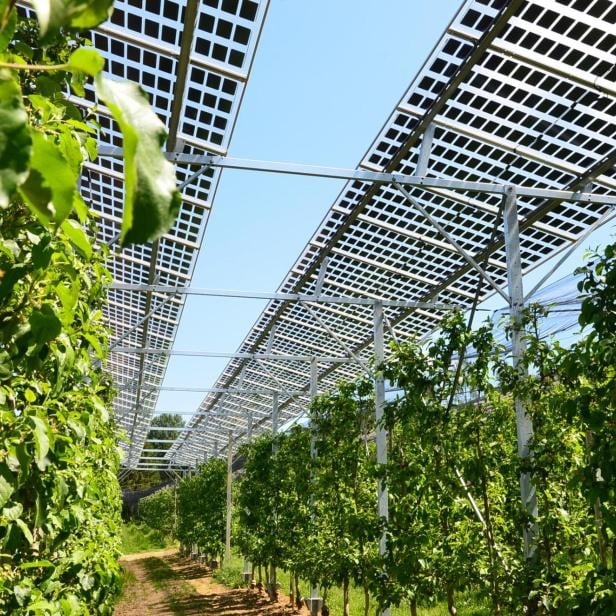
<point x="80" y="207"/>
<point x="11" y="278"/>
<point x="33" y="564"/>
<point x="86" y="60"/>
<point x="55" y="14"/>
<point x="96" y="345"/>
<point x="44" y="324"/>
<point x="6" y="368"/>
<point x="51" y="185"/>
<point x="152" y="200"/>
<point x="5" y="491"/>
<point x="41" y="442"/>
<point x="25" y="530"/>
<point x="91" y="146"/>
<point x="8" y="28"/>
<point x="15" y="141"/>
<point x="77" y="236"/>
<point x="68" y="294"/>
<point x="13" y="513"/>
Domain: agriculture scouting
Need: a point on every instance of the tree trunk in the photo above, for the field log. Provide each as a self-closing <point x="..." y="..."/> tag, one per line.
<point x="413" y="606"/>
<point x="273" y="586"/>
<point x="450" y="605"/>
<point x="260" y="579"/>
<point x="366" y="598"/>
<point x="345" y="597"/>
<point x="298" y="595"/>
<point x="291" y="588"/>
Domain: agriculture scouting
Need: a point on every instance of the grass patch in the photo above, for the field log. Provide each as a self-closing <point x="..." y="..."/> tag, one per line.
<point x="141" y="538"/>
<point x="159" y="572"/>
<point x="468" y="604"/>
<point x="231" y="573"/>
<point x="127" y="583"/>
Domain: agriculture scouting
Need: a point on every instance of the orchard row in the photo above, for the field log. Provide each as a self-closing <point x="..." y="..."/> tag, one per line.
<point x="455" y="517"/>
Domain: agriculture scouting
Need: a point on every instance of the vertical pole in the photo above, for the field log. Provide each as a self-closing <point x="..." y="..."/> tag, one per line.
<point x="229" y="497"/>
<point x="524" y="426"/>
<point x="216" y="448"/>
<point x="275" y="413"/>
<point x="381" y="433"/>
<point x="315" y="600"/>
<point x="424" y="150"/>
<point x="247" y="574"/>
<point x="273" y="584"/>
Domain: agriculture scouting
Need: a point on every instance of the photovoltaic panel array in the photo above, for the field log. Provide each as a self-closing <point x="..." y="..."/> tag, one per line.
<point x="517" y="92"/>
<point x="193" y="59"/>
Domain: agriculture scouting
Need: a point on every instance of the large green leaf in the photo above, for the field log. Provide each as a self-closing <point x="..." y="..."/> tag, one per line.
<point x="44" y="324"/>
<point x="15" y="141"/>
<point x="41" y="442"/>
<point x="55" y="14"/>
<point x="152" y="200"/>
<point x="86" y="60"/>
<point x="50" y="188"/>
<point x="77" y="236"/>
<point x="25" y="530"/>
<point x="8" y="15"/>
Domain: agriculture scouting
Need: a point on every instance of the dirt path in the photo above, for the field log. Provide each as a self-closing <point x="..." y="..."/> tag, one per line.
<point x="162" y="583"/>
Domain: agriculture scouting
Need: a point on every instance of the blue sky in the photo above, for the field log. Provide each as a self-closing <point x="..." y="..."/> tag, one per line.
<point x="326" y="76"/>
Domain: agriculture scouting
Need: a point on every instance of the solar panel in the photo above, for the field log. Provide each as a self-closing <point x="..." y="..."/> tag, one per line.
<point x="517" y="93"/>
<point x="193" y="59"/>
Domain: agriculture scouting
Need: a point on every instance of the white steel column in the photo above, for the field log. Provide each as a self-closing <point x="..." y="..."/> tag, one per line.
<point x="229" y="497"/>
<point x="274" y="413"/>
<point x="315" y="600"/>
<point x="381" y="433"/>
<point x="524" y="424"/>
<point x="272" y="581"/>
<point x="247" y="572"/>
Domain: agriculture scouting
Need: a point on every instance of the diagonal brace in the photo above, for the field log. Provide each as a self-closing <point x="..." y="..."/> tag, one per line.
<point x="452" y="241"/>
<point x="337" y="338"/>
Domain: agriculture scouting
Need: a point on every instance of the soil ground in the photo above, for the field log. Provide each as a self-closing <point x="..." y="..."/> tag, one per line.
<point x="162" y="583"/>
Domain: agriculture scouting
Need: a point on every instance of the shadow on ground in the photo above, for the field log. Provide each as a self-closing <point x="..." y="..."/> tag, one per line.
<point x="171" y="585"/>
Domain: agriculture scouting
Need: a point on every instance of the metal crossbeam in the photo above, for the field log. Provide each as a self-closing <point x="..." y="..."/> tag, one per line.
<point x="374" y="177"/>
<point x="325" y="359"/>
<point x="283" y="297"/>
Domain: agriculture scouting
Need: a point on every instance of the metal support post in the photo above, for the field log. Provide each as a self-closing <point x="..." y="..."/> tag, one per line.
<point x="381" y="433"/>
<point x="249" y="421"/>
<point x="424" y="150"/>
<point x="229" y="497"/>
<point x="524" y="424"/>
<point x="316" y="602"/>
<point x="274" y="413"/>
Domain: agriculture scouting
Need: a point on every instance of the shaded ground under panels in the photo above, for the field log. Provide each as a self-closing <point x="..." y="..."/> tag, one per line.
<point x="163" y="583"/>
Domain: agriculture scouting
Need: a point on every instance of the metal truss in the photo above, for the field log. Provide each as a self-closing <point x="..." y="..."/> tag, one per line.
<point x="517" y="98"/>
<point x="490" y="114"/>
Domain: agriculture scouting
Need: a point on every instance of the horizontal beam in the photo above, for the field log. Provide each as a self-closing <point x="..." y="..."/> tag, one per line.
<point x="283" y="297"/>
<point x="168" y="429"/>
<point x="326" y="359"/>
<point x="373" y="177"/>
<point x="215" y="390"/>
